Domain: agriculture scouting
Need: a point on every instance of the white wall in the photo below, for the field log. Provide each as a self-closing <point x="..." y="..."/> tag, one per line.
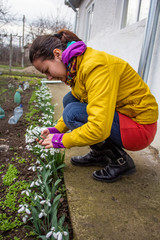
<point x="122" y="43"/>
<point x="125" y="43"/>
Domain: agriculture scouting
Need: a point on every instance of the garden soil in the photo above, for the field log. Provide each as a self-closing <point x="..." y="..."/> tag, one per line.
<point x="12" y="144"/>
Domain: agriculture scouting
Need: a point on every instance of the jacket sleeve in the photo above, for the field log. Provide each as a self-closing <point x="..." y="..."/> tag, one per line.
<point x="60" y="126"/>
<point x="102" y="86"/>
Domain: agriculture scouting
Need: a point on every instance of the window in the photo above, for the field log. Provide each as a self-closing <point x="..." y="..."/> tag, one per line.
<point x="89" y="20"/>
<point x="134" y="11"/>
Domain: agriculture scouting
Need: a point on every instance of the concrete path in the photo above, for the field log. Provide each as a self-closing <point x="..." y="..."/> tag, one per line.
<point x="128" y="209"/>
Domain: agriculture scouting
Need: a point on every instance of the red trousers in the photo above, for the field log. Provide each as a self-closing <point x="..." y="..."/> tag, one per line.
<point x="136" y="136"/>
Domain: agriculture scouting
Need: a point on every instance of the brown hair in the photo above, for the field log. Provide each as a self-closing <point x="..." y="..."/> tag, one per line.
<point x="43" y="46"/>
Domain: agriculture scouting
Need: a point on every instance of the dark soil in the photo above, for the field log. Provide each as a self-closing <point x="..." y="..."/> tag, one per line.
<point x="12" y="136"/>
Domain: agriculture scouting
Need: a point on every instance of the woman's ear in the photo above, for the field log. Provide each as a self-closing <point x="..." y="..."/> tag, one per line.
<point x="57" y="53"/>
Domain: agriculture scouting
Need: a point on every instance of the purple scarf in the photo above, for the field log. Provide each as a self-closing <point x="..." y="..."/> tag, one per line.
<point x="69" y="58"/>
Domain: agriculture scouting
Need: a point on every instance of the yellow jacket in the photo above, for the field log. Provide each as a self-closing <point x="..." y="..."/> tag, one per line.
<point x="107" y="83"/>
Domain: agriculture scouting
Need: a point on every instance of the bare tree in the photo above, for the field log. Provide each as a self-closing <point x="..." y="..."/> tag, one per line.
<point x="5" y="16"/>
<point x="47" y="25"/>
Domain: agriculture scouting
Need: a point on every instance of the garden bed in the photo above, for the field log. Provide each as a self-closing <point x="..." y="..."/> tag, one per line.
<point x="14" y="155"/>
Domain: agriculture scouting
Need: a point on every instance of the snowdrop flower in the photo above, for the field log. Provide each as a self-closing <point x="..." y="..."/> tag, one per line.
<point x="29" y="148"/>
<point x="58" y="235"/>
<point x="32" y="184"/>
<point x="37" y="197"/>
<point x="37" y="162"/>
<point x="46" y="201"/>
<point x="36" y="183"/>
<point x="40" y="168"/>
<point x="24" y="219"/>
<point x="42" y="214"/>
<point x="27" y="192"/>
<point x="33" y="168"/>
<point x="24" y="208"/>
<point x="49" y="234"/>
<point x="48" y="166"/>
<point x="43" y="155"/>
<point x="54" y="150"/>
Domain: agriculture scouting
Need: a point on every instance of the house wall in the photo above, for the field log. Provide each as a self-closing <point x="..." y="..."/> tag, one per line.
<point x="125" y="43"/>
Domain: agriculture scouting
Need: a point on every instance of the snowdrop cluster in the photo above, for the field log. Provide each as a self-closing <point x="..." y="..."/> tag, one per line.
<point x="44" y="103"/>
<point x="31" y="144"/>
<point x="25" y="210"/>
<point x="36" y="183"/>
<point x="43" y="190"/>
<point x="27" y="192"/>
<point x="42" y="213"/>
<point x="59" y="235"/>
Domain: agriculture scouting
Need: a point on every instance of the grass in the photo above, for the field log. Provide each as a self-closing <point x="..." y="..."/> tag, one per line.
<point x="7" y="67"/>
<point x="5" y="70"/>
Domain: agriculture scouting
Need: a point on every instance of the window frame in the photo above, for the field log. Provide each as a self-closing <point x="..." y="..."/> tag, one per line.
<point x="89" y="19"/>
<point x="125" y="13"/>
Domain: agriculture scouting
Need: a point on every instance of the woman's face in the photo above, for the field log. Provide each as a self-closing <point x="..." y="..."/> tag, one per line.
<point x="54" y="68"/>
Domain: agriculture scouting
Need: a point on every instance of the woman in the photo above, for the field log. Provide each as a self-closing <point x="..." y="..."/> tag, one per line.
<point x="109" y="107"/>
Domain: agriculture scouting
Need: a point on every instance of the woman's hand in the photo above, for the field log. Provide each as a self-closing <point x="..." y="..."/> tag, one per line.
<point x="43" y="136"/>
<point x="47" y="142"/>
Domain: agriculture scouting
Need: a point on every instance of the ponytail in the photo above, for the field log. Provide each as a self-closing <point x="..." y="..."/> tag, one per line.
<point x="43" y="46"/>
<point x="67" y="36"/>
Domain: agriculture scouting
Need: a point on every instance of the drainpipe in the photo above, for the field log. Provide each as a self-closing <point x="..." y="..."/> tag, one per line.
<point x="150" y="33"/>
<point x="67" y="2"/>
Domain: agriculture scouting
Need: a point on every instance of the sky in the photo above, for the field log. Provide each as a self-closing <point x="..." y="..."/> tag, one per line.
<point x="33" y="9"/>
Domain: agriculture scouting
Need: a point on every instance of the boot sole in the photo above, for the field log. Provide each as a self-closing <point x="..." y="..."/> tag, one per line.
<point x="117" y="178"/>
<point x="88" y="164"/>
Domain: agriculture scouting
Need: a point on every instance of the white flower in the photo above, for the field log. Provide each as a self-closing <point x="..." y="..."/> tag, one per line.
<point x="65" y="233"/>
<point x="24" y="219"/>
<point x="52" y="233"/>
<point x="37" y="196"/>
<point x="27" y="192"/>
<point x="55" y="235"/>
<point x="32" y="184"/>
<point x="21" y="209"/>
<point x="40" y="168"/>
<point x="37" y="183"/>
<point x="43" y="156"/>
<point x="28" y="211"/>
<point x="24" y="208"/>
<point x="60" y="236"/>
<point x="33" y="168"/>
<point x="42" y="214"/>
<point x="48" y="166"/>
<point x="49" y="234"/>
<point x="37" y="162"/>
<point x="46" y="201"/>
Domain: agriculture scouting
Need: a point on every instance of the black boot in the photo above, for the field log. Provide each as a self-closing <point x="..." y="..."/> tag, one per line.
<point x="121" y="164"/>
<point x="98" y="156"/>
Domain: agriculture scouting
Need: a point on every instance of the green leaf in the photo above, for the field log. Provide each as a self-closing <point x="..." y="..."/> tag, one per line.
<point x="54" y="219"/>
<point x="61" y="221"/>
<point x="36" y="220"/>
<point x="57" y="182"/>
<point x="61" y="166"/>
<point x="42" y="237"/>
<point x="47" y="189"/>
<point x="57" y="198"/>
